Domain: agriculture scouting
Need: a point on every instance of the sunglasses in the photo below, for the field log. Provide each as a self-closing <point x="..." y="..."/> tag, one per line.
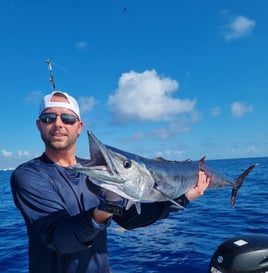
<point x="49" y="118"/>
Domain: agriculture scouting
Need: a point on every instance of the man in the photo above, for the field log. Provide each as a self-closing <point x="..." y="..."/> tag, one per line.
<point x="66" y="222"/>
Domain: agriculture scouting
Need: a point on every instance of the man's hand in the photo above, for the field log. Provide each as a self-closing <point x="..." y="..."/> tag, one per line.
<point x="100" y="216"/>
<point x="108" y="201"/>
<point x="200" y="187"/>
<point x="111" y="202"/>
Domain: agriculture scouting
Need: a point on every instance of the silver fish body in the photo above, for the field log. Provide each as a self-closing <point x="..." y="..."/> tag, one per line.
<point x="140" y="179"/>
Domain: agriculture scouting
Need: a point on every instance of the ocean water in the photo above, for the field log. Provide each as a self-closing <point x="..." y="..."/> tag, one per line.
<point x="184" y="242"/>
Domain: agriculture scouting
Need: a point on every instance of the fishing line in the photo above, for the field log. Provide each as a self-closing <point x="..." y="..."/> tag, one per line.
<point x="51" y="79"/>
<point x="65" y="70"/>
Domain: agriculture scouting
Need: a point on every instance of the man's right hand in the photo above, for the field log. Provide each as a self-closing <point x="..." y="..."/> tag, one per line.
<point x="111" y="202"/>
<point x="101" y="216"/>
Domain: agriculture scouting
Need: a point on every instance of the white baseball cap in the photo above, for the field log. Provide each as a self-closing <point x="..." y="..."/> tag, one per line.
<point x="71" y="104"/>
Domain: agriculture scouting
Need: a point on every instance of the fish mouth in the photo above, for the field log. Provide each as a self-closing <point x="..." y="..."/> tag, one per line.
<point x="100" y="174"/>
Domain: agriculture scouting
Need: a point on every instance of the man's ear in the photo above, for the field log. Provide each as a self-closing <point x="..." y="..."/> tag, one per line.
<point x="38" y="124"/>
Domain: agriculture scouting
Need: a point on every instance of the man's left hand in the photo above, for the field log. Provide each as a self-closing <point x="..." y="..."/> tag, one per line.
<point x="200" y="187"/>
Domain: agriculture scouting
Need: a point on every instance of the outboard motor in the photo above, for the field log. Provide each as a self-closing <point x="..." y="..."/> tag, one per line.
<point x="241" y="254"/>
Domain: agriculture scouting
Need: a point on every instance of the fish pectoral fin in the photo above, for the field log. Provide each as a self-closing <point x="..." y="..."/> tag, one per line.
<point x="170" y="199"/>
<point x="129" y="204"/>
<point x="177" y="204"/>
<point x="137" y="205"/>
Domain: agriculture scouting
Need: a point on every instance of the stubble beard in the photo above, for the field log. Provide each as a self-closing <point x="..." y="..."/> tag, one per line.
<point x="59" y="145"/>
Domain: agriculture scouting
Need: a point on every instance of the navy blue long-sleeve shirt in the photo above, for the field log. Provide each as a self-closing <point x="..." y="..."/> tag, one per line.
<point x="57" y="207"/>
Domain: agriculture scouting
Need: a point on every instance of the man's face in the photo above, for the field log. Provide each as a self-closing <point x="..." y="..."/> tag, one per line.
<point x="59" y="127"/>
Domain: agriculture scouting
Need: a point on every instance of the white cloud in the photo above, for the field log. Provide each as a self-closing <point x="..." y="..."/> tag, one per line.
<point x="81" y="45"/>
<point x="35" y="97"/>
<point x="147" y="96"/>
<point x="195" y="116"/>
<point x="24" y="153"/>
<point x="238" y="109"/>
<point x="86" y="103"/>
<point x="6" y="153"/>
<point x="216" y="111"/>
<point x="238" y="27"/>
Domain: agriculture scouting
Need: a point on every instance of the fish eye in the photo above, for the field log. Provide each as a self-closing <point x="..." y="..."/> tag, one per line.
<point x="127" y="164"/>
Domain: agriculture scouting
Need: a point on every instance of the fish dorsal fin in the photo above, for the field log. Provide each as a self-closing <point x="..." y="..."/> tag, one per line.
<point x="159" y="158"/>
<point x="99" y="153"/>
<point x="95" y="150"/>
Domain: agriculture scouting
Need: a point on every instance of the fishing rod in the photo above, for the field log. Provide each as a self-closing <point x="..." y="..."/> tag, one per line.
<point x="51" y="75"/>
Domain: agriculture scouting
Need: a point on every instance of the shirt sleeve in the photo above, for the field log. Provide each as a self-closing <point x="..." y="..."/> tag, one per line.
<point x="46" y="216"/>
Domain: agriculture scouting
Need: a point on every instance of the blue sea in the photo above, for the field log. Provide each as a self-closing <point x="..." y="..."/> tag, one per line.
<point x="184" y="242"/>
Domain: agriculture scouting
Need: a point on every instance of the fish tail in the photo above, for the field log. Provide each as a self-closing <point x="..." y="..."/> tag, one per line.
<point x="239" y="183"/>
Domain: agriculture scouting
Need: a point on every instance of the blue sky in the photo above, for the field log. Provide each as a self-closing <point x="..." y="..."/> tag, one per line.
<point x="177" y="79"/>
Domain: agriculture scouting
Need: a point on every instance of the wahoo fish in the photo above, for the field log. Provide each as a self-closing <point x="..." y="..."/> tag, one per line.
<point x="143" y="180"/>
